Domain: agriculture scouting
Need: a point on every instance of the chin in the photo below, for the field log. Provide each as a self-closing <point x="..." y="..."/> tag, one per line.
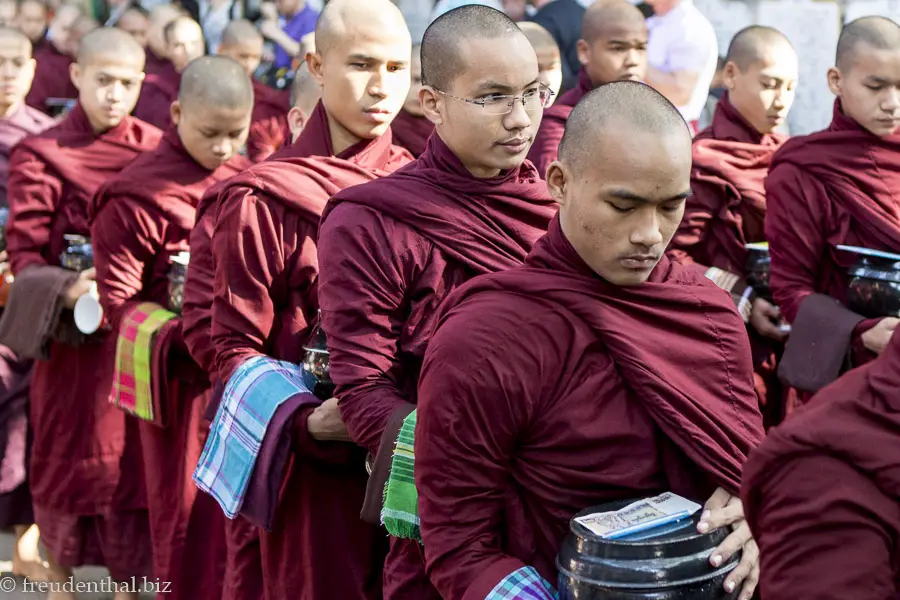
<point x="628" y="278"/>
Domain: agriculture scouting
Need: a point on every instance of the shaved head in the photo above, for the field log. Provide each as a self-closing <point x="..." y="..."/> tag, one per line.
<point x="441" y="58"/>
<point x="107" y="44"/>
<point x="10" y="36"/>
<point x="305" y="92"/>
<point x="16" y="69"/>
<point x="136" y="21"/>
<point x="241" y="32"/>
<point x="215" y="81"/>
<point x="618" y="108"/>
<point x="753" y="44"/>
<point x="877" y="33"/>
<point x="337" y="14"/>
<point x="539" y="38"/>
<point x="160" y="16"/>
<point x="605" y="15"/>
<point x="8" y="11"/>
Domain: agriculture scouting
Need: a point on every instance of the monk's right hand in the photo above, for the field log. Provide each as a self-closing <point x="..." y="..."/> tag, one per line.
<point x="764" y="317"/>
<point x="877" y="338"/>
<point x="325" y="423"/>
<point x="81" y="287"/>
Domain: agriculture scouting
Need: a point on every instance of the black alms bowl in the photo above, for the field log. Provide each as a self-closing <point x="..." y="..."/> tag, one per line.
<point x="759" y="266"/>
<point x="672" y="564"/>
<point x="874" y="289"/>
<point x="78" y="255"/>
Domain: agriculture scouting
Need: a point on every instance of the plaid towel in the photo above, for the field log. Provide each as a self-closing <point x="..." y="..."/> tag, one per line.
<point x="523" y="584"/>
<point x="252" y="395"/>
<point x="132" y="389"/>
<point x="400" y="514"/>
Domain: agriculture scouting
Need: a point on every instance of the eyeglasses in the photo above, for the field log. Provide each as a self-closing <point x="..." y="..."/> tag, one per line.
<point x="502" y="104"/>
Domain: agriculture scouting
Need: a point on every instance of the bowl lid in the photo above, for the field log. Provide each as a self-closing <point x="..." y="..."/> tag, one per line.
<point x="183" y="258"/>
<point x="869" y="252"/>
<point x="758" y="246"/>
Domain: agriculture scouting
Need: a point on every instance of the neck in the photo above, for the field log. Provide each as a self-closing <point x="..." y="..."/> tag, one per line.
<point x="341" y="138"/>
<point x="300" y="7"/>
<point x="98" y="128"/>
<point x="7" y="110"/>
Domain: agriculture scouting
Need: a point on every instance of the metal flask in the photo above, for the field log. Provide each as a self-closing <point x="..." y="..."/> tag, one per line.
<point x="316" y="363"/>
<point x="667" y="563"/>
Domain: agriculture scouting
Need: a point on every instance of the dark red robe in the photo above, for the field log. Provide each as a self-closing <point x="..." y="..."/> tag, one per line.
<point x="412" y="132"/>
<point x="159" y="67"/>
<point x="15" y="372"/>
<point x="269" y="129"/>
<point x="140" y="219"/>
<point x="546" y="390"/>
<point x="157" y="95"/>
<point x="388" y="259"/>
<point x="51" y="78"/>
<point x="264" y="246"/>
<point x="546" y="143"/>
<point x="86" y="472"/>
<point x="822" y="493"/>
<point x="830" y="188"/>
<point x="727" y="211"/>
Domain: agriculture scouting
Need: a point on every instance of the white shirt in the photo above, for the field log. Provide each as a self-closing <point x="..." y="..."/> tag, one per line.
<point x="684" y="40"/>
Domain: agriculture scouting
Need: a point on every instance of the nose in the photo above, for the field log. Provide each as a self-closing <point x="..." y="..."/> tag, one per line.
<point x="518" y="117"/>
<point x="646" y="233"/>
<point x="376" y="84"/>
<point x="115" y="92"/>
<point x="631" y="58"/>
<point x="891" y="101"/>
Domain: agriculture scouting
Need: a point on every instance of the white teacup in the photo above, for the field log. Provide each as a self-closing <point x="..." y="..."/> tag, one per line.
<point x="88" y="312"/>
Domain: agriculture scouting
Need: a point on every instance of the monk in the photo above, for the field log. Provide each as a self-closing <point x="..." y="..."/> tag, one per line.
<point x="16" y="121"/>
<point x="831" y="188"/>
<point x="485" y="208"/>
<point x="411" y="129"/>
<point x="86" y="473"/>
<point x="567" y="373"/>
<point x="9" y="12"/>
<point x="613" y="47"/>
<point x="548" y="55"/>
<point x="158" y="63"/>
<point x="136" y="21"/>
<point x="269" y="129"/>
<point x="51" y="78"/>
<point x="727" y="209"/>
<point x="821" y="492"/>
<point x="265" y="300"/>
<point x="32" y="21"/>
<point x="184" y="43"/>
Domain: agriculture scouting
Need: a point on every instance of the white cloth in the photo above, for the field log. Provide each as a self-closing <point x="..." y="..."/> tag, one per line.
<point x="444" y="6"/>
<point x="684" y="40"/>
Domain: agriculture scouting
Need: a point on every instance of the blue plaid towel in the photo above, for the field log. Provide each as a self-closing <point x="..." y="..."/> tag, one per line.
<point x="523" y="584"/>
<point x="257" y="388"/>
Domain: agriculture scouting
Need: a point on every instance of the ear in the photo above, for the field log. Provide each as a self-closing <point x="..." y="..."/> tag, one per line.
<point x="729" y="75"/>
<point x="584" y="52"/>
<point x="834" y="81"/>
<point x="432" y="104"/>
<point x="30" y="66"/>
<point x="175" y="112"/>
<point x="296" y="122"/>
<point x="557" y="177"/>
<point x="75" y="75"/>
<point x="314" y="64"/>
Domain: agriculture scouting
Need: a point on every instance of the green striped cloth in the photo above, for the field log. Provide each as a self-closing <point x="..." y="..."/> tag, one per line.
<point x="400" y="513"/>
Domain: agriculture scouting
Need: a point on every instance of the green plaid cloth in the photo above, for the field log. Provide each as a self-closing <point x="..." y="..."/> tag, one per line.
<point x="400" y="513"/>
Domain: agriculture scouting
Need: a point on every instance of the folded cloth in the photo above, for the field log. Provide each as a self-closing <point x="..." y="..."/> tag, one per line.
<point x="269" y="473"/>
<point x="400" y="514"/>
<point x="15" y="379"/>
<point x="381" y="466"/>
<point x="523" y="584"/>
<point x="820" y="342"/>
<point x="34" y="314"/>
<point x="133" y="387"/>
<point x="252" y="395"/>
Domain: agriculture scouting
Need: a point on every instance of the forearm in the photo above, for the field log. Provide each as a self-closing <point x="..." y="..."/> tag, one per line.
<point x="671" y="85"/>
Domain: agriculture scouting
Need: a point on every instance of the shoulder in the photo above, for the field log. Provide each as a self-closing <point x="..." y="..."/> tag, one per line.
<point x="146" y="136"/>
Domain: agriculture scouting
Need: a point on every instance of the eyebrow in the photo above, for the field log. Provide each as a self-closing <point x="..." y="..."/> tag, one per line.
<point x="367" y="58"/>
<point x="626" y="195"/>
<point x="493" y="85"/>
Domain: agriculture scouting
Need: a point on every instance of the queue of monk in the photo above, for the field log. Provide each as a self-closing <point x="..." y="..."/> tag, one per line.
<point x="417" y="328"/>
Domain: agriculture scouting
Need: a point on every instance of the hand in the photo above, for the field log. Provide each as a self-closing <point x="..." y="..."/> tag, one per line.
<point x="81" y="287"/>
<point x="325" y="423"/>
<point x="723" y="510"/>
<point x="268" y="11"/>
<point x="764" y="317"/>
<point x="877" y="338"/>
<point x="4" y="262"/>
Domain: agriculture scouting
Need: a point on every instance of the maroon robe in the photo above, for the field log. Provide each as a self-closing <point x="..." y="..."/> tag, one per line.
<point x="727" y="211"/>
<point x="822" y="493"/>
<point x="51" y="78"/>
<point x="86" y="472"/>
<point x="140" y="219"/>
<point x="269" y="129"/>
<point x="546" y="390"/>
<point x="159" y="67"/>
<point x="388" y="259"/>
<point x="412" y="132"/>
<point x="15" y="372"/>
<point x="24" y="121"/>
<point x="264" y="247"/>
<point x="830" y="188"/>
<point x="155" y="102"/>
<point x="546" y="143"/>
